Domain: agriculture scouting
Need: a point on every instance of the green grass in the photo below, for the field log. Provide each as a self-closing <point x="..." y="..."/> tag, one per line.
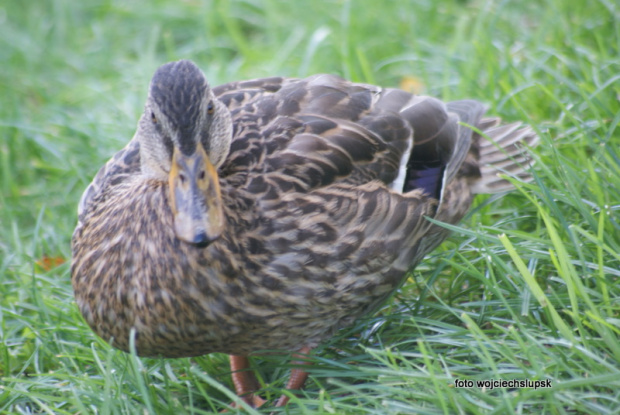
<point x="526" y="288"/>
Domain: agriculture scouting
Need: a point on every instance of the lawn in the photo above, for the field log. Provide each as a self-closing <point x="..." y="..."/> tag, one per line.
<point x="526" y="289"/>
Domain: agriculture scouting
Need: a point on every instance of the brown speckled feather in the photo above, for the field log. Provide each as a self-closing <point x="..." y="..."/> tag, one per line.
<point x="325" y="192"/>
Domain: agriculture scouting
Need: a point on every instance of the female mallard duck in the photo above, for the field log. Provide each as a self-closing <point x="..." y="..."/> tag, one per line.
<point x="268" y="214"/>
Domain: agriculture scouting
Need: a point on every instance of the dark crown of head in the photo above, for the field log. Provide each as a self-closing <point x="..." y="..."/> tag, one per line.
<point x="178" y="89"/>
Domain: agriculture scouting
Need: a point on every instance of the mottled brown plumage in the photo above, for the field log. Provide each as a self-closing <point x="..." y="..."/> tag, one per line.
<point x="314" y="216"/>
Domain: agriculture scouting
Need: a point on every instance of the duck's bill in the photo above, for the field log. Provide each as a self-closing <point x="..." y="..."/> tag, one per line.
<point x="195" y="198"/>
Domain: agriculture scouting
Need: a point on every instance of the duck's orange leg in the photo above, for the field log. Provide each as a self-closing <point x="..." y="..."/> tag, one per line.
<point x="298" y="376"/>
<point x="245" y="381"/>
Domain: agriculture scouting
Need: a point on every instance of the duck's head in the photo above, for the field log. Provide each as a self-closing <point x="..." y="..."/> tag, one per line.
<point x="185" y="135"/>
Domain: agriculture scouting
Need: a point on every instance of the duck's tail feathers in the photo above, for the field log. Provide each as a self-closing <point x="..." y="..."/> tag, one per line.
<point x="503" y="150"/>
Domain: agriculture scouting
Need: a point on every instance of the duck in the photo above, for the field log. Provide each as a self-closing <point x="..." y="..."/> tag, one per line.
<point x="265" y="215"/>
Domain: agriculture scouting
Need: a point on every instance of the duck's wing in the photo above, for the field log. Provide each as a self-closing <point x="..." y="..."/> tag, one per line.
<point x="304" y="134"/>
<point x="323" y="130"/>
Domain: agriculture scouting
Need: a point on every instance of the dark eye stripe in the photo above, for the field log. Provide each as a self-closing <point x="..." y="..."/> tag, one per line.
<point x="169" y="146"/>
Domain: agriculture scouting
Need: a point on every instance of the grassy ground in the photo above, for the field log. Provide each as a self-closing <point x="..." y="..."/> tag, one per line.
<point x="527" y="288"/>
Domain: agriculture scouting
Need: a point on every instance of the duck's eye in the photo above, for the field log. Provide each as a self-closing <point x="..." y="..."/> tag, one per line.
<point x="210" y="108"/>
<point x="153" y="118"/>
